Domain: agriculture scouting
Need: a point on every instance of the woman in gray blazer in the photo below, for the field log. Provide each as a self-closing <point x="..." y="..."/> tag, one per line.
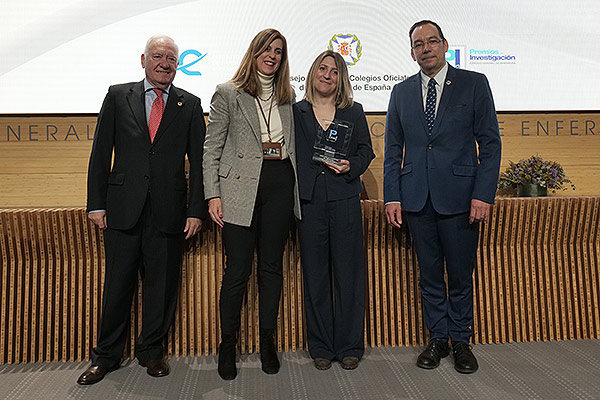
<point x="250" y="183"/>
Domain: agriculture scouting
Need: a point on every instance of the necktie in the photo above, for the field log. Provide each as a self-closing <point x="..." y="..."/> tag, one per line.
<point x="156" y="113"/>
<point x="430" y="105"/>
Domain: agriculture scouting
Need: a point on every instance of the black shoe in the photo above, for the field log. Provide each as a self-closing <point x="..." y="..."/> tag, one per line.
<point x="268" y="353"/>
<point x="430" y="357"/>
<point x="227" y="369"/>
<point x="464" y="360"/>
<point x="156" y="368"/>
<point x="95" y="374"/>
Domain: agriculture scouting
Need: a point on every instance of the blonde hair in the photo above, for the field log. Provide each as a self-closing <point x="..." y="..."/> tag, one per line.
<point x="246" y="76"/>
<point x="343" y="95"/>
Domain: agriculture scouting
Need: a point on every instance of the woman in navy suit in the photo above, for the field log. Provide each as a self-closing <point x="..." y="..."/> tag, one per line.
<point x="330" y="232"/>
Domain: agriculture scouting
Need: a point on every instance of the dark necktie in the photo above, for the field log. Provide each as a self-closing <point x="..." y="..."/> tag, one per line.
<point x="430" y="105"/>
<point x="156" y="113"/>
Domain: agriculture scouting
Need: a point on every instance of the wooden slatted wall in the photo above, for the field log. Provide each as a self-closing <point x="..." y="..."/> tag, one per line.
<point x="537" y="279"/>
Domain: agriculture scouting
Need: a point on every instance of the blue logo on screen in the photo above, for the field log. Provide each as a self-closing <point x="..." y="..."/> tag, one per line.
<point x="453" y="57"/>
<point x="196" y="56"/>
<point x="456" y="56"/>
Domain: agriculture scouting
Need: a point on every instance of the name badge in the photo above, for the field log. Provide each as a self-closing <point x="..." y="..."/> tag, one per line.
<point x="271" y="151"/>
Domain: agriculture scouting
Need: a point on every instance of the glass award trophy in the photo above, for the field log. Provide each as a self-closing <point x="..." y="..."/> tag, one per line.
<point x="332" y="144"/>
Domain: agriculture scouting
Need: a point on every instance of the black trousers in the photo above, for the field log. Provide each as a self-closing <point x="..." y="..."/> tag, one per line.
<point x="451" y="241"/>
<point x="157" y="258"/>
<point x="267" y="233"/>
<point x="333" y="266"/>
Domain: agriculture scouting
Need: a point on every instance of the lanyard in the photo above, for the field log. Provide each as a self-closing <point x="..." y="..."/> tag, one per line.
<point x="265" y="118"/>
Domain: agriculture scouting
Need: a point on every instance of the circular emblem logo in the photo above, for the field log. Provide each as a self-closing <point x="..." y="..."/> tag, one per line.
<point x="348" y="45"/>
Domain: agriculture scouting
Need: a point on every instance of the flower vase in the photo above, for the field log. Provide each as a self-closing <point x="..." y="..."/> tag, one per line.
<point x="532" y="190"/>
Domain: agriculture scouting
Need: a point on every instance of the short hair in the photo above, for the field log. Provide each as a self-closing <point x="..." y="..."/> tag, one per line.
<point x="343" y="95"/>
<point x="421" y="23"/>
<point x="155" y="38"/>
<point x="246" y="76"/>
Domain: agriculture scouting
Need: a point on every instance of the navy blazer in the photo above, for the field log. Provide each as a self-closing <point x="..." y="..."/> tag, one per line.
<point x="120" y="186"/>
<point x="360" y="152"/>
<point x="446" y="165"/>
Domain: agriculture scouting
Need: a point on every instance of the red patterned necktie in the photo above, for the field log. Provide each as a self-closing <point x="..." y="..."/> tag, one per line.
<point x="156" y="113"/>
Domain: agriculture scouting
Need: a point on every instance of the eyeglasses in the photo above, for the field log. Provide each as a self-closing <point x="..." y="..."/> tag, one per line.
<point x="420" y="46"/>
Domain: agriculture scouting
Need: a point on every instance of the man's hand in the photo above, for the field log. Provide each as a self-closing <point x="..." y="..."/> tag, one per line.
<point x="192" y="226"/>
<point x="98" y="218"/>
<point x="480" y="211"/>
<point x="215" y="210"/>
<point x="339" y="169"/>
<point x="393" y="212"/>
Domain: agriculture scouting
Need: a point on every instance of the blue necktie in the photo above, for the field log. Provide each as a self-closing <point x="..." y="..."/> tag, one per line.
<point x="430" y="105"/>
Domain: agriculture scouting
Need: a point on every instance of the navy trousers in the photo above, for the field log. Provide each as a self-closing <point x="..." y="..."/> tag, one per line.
<point x="332" y="250"/>
<point x="450" y="240"/>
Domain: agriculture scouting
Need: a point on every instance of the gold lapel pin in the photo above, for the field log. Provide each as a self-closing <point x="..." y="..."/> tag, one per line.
<point x="179" y="104"/>
<point x="448" y="82"/>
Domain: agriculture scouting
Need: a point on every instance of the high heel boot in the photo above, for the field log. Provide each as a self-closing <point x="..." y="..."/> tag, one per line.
<point x="227" y="369"/>
<point x="268" y="353"/>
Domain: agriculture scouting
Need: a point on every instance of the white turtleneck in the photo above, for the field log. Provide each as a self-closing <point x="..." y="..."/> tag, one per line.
<point x="276" y="126"/>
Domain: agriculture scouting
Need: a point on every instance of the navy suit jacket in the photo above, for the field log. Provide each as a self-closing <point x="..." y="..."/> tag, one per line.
<point x="460" y="161"/>
<point x="121" y="186"/>
<point x="360" y="153"/>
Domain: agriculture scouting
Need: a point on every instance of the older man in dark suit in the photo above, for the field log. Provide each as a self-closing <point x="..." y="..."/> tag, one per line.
<point x="442" y="160"/>
<point x="140" y="199"/>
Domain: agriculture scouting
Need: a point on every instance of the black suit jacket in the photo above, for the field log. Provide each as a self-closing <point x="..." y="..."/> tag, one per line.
<point x="360" y="152"/>
<point x="121" y="186"/>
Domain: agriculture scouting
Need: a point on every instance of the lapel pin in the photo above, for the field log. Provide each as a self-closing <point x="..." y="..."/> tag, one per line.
<point x="448" y="82"/>
<point x="180" y="104"/>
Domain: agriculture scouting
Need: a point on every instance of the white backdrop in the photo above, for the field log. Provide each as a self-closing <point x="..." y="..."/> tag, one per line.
<point x="60" y="57"/>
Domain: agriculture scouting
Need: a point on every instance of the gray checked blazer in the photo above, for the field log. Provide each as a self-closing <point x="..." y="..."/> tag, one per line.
<point x="233" y="152"/>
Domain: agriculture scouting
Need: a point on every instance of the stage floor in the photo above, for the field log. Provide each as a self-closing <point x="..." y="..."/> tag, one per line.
<point x="549" y="370"/>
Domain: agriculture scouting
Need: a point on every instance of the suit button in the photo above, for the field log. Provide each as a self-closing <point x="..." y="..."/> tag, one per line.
<point x="241" y="155"/>
<point x="152" y="153"/>
<point x="237" y="176"/>
<point x="322" y="172"/>
<point x="145" y="176"/>
<point x="429" y="147"/>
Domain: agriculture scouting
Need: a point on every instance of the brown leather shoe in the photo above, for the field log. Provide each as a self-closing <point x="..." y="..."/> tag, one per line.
<point x="94" y="374"/>
<point x="157" y="368"/>
<point x="350" y="362"/>
<point x="322" y="364"/>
